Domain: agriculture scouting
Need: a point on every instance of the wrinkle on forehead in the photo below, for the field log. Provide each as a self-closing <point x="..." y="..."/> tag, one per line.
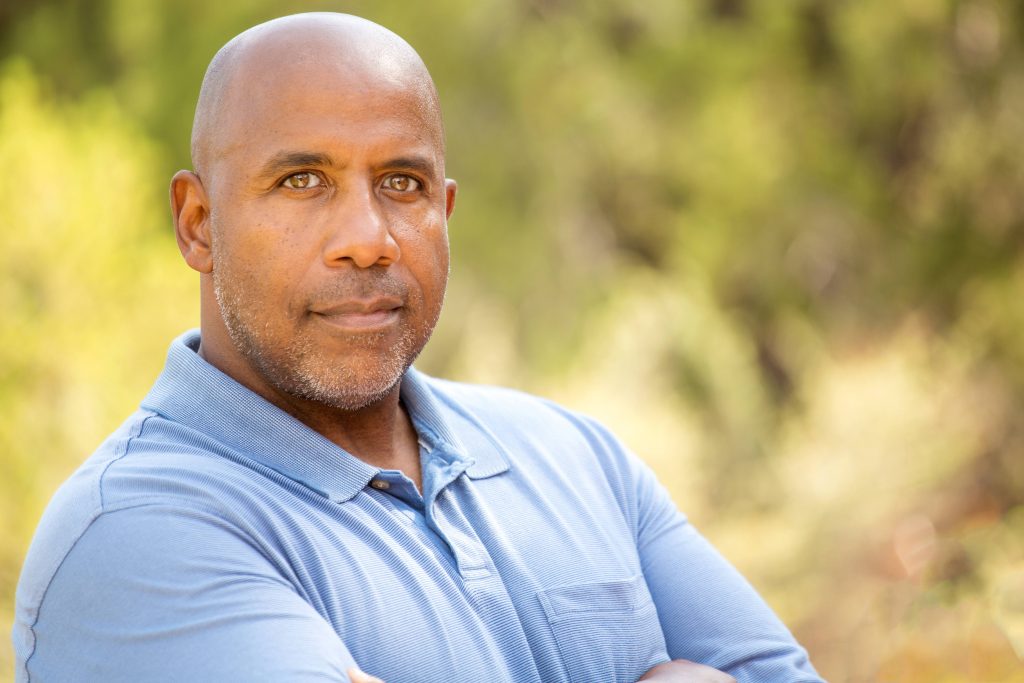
<point x="360" y="54"/>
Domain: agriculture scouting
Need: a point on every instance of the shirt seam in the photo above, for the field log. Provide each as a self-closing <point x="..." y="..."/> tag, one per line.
<point x="141" y="502"/>
<point x="97" y="512"/>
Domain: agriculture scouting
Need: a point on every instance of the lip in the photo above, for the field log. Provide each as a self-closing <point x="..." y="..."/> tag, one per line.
<point x="358" y="314"/>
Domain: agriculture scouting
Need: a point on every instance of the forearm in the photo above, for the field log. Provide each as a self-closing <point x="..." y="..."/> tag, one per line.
<point x="710" y="613"/>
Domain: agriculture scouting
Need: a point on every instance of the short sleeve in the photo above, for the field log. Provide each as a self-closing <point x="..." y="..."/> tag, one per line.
<point x="155" y="593"/>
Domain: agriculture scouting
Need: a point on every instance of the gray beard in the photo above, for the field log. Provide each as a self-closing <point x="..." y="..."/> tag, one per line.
<point x="299" y="369"/>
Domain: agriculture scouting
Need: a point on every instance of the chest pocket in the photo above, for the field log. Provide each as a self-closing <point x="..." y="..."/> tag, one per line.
<point x="606" y="631"/>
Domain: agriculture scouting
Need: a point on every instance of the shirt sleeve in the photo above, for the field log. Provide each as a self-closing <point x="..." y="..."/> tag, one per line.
<point x="709" y="613"/>
<point x="155" y="593"/>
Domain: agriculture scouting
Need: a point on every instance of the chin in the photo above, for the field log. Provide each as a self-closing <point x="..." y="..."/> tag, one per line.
<point x="349" y="399"/>
<point x="349" y="376"/>
<point x="348" y="384"/>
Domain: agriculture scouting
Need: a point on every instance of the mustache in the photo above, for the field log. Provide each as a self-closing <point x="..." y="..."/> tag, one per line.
<point x="360" y="285"/>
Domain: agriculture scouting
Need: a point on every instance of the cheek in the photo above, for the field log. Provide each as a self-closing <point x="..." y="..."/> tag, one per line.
<point x="425" y="252"/>
<point x="254" y="263"/>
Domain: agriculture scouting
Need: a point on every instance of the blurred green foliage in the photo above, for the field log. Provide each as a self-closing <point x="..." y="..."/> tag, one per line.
<point x="776" y="245"/>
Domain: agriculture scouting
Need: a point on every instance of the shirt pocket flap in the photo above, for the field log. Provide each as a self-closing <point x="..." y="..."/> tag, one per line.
<point x="625" y="595"/>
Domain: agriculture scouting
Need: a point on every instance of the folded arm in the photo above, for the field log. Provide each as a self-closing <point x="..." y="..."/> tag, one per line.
<point x="709" y="613"/>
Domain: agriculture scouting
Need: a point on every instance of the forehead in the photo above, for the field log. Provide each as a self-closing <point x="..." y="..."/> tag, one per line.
<point x="312" y="96"/>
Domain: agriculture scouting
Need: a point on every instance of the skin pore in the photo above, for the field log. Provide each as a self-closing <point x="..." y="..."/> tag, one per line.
<point x="317" y="219"/>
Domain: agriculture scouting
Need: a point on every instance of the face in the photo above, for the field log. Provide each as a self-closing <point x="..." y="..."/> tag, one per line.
<point x="328" y="210"/>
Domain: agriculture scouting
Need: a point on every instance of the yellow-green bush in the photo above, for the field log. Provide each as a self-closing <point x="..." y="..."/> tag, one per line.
<point x="777" y="246"/>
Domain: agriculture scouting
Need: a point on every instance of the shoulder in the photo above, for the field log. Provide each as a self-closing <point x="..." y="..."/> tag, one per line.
<point x="152" y="482"/>
<point x="80" y="499"/>
<point x="484" y="397"/>
<point x="525" y="426"/>
<point x="147" y="461"/>
<point x="511" y="410"/>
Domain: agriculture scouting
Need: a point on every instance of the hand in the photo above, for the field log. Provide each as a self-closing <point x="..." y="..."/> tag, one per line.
<point x="683" y="671"/>
<point x="358" y="676"/>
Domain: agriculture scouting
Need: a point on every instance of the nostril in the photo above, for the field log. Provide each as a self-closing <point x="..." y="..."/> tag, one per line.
<point x="362" y="253"/>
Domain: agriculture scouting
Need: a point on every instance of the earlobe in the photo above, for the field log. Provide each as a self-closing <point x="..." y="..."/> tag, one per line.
<point x="190" y="210"/>
<point x="450" y="186"/>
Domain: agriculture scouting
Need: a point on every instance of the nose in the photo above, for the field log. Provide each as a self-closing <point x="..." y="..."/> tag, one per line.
<point x="359" y="232"/>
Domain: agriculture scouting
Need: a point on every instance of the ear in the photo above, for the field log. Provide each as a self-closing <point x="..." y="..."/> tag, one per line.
<point x="190" y="209"/>
<point x="450" y="186"/>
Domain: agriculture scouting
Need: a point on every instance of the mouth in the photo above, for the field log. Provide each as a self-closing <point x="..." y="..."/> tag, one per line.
<point x="359" y="314"/>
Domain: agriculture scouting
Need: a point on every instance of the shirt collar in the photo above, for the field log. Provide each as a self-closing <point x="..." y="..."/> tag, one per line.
<point x="193" y="393"/>
<point x="445" y="424"/>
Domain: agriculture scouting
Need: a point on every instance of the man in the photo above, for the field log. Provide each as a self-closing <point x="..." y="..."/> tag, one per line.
<point x="293" y="502"/>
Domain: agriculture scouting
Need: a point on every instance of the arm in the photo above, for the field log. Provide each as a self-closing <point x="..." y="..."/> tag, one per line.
<point x="708" y="611"/>
<point x="160" y="593"/>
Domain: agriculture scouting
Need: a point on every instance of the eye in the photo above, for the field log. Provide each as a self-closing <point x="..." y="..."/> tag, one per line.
<point x="301" y="181"/>
<point x="401" y="183"/>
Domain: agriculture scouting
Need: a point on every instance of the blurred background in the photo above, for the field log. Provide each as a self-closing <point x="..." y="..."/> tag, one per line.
<point x="778" y="246"/>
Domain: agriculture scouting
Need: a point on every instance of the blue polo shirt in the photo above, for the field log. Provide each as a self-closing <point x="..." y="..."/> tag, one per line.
<point x="213" y="537"/>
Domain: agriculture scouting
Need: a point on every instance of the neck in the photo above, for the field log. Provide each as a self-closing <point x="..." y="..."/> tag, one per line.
<point x="380" y="434"/>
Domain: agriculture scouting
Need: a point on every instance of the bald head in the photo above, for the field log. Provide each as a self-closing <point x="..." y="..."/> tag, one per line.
<point x="321" y="49"/>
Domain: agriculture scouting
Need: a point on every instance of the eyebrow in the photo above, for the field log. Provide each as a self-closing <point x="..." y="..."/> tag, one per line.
<point x="424" y="165"/>
<point x="283" y="161"/>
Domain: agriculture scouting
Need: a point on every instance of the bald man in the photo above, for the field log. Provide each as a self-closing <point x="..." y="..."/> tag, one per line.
<point x="294" y="502"/>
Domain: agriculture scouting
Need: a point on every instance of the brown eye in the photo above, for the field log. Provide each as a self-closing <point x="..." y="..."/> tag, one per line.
<point x="301" y="181"/>
<point x="401" y="183"/>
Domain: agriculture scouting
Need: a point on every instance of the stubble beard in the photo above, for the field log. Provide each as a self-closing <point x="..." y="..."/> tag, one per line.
<point x="298" y="367"/>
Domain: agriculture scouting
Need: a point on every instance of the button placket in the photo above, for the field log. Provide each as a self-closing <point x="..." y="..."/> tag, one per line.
<point x="470" y="554"/>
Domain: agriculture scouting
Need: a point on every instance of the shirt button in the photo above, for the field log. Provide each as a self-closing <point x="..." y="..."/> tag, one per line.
<point x="380" y="484"/>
